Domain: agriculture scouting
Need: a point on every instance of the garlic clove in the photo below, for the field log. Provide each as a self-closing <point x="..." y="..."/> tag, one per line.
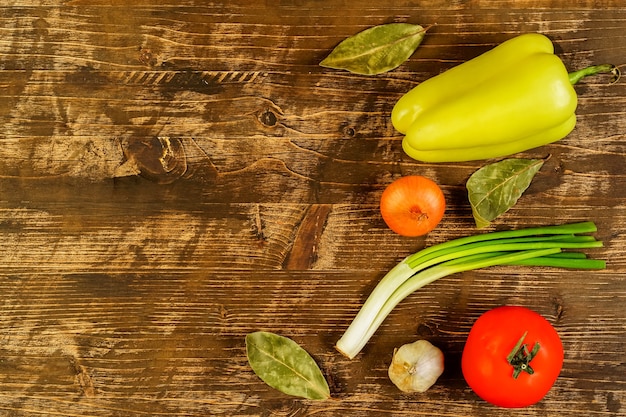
<point x="416" y="366"/>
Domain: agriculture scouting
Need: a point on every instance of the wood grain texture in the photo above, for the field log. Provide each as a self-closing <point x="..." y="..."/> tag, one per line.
<point x="175" y="176"/>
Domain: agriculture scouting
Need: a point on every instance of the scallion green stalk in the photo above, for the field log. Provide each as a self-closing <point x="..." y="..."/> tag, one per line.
<point x="539" y="246"/>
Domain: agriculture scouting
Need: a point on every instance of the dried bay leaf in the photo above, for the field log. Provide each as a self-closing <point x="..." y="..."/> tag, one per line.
<point x="377" y="49"/>
<point x="282" y="364"/>
<point x="495" y="188"/>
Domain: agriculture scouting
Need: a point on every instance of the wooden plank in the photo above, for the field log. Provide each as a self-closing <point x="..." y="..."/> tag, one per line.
<point x="97" y="343"/>
<point x="158" y="230"/>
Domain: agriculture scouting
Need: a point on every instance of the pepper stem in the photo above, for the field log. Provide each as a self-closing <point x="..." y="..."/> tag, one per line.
<point x="576" y="76"/>
<point x="520" y="357"/>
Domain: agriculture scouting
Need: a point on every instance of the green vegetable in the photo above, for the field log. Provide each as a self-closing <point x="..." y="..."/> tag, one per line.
<point x="377" y="49"/>
<point x="542" y="246"/>
<point x="282" y="364"/>
<point x="495" y="188"/>
<point x="515" y="97"/>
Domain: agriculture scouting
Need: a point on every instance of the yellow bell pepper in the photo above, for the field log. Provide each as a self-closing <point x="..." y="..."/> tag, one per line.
<point x="515" y="97"/>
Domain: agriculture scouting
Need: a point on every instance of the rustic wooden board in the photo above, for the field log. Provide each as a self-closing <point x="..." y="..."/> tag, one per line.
<point x="175" y="176"/>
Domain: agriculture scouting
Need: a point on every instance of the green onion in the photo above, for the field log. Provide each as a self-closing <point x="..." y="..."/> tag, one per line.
<point x="537" y="246"/>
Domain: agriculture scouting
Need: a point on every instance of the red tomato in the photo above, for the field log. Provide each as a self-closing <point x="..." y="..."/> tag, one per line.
<point x="412" y="205"/>
<point x="492" y="338"/>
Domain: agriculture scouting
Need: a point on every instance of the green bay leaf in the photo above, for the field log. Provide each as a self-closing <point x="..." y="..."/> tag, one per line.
<point x="495" y="188"/>
<point x="377" y="49"/>
<point x="283" y="365"/>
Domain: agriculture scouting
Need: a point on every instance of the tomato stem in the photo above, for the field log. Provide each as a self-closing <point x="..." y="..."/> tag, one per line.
<point x="520" y="357"/>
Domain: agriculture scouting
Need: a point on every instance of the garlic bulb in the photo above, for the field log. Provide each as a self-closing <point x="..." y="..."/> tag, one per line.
<point x="416" y="366"/>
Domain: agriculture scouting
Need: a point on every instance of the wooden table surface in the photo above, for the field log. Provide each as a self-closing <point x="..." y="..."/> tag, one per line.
<point x="174" y="177"/>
